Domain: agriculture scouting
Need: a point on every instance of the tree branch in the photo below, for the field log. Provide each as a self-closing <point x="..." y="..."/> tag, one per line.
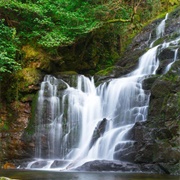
<point x="118" y="20"/>
<point x="135" y="7"/>
<point x="135" y="10"/>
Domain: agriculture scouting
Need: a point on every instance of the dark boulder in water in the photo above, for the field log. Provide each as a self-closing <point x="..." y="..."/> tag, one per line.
<point x="98" y="132"/>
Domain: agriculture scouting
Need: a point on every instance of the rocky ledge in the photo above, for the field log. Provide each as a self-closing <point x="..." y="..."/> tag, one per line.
<point x="104" y="165"/>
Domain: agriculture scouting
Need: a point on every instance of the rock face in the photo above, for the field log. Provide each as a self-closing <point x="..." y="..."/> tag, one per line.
<point x="157" y="140"/>
<point x="98" y="132"/>
<point x="16" y="114"/>
<point x="12" y="146"/>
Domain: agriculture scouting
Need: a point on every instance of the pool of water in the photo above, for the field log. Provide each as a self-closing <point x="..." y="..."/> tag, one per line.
<point x="49" y="175"/>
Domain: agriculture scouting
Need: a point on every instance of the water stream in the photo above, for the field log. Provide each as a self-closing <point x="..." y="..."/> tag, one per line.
<point x="81" y="122"/>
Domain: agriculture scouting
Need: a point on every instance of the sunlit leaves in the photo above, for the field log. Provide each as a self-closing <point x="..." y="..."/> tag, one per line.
<point x="52" y="23"/>
<point x="8" y="48"/>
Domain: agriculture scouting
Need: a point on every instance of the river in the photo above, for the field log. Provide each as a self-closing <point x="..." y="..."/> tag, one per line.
<point x="51" y="175"/>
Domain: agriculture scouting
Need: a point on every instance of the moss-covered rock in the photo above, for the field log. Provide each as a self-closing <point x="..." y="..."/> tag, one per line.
<point x="157" y="140"/>
<point x="105" y="72"/>
<point x="36" y="58"/>
<point x="28" y="80"/>
<point x="93" y="52"/>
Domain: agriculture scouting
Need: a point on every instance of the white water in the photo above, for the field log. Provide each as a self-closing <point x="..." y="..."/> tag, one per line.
<point x="68" y="116"/>
<point x="160" y="30"/>
<point x="170" y="64"/>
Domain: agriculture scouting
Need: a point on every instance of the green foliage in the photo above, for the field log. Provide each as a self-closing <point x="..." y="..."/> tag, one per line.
<point x="3" y="126"/>
<point x="31" y="126"/>
<point x="106" y="71"/>
<point x="52" y="23"/>
<point x="8" y="49"/>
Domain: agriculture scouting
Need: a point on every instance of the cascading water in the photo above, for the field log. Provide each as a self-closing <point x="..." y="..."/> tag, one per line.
<point x="174" y="59"/>
<point x="80" y="123"/>
<point x="160" y="30"/>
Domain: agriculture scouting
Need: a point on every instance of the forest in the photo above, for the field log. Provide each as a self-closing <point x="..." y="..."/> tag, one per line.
<point x="50" y="24"/>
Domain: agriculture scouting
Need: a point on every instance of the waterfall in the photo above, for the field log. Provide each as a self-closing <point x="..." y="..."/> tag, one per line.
<point x="174" y="59"/>
<point x="81" y="122"/>
<point x="160" y="30"/>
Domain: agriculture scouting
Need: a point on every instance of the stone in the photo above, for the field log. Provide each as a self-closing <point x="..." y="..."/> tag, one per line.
<point x="104" y="165"/>
<point x="98" y="132"/>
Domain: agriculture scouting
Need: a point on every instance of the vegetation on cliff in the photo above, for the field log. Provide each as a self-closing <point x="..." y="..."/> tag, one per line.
<point x="52" y="24"/>
<point x="64" y="35"/>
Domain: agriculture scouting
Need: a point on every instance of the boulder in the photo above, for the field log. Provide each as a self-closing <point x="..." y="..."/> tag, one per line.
<point x="98" y="132"/>
<point x="104" y="165"/>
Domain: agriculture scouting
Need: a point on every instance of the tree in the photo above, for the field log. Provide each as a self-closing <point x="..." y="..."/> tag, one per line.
<point x="8" y="49"/>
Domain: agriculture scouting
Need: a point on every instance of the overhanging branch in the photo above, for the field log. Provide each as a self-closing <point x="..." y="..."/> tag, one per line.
<point x="118" y="20"/>
<point x="135" y="7"/>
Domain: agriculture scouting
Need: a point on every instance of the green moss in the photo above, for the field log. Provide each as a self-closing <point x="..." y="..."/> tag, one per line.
<point x="158" y="41"/>
<point x="66" y="73"/>
<point x="30" y="130"/>
<point x="178" y="97"/>
<point x="27" y="78"/>
<point x="26" y="98"/>
<point x="3" y="126"/>
<point x="171" y="77"/>
<point x="36" y="58"/>
<point x="105" y="72"/>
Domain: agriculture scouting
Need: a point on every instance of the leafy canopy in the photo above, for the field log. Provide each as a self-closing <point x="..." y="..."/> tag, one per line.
<point x="48" y="23"/>
<point x="53" y="23"/>
<point x="8" y="49"/>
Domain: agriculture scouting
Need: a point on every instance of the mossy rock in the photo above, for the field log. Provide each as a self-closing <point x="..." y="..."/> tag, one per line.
<point x="158" y="41"/>
<point x="147" y="83"/>
<point x="167" y="53"/>
<point x="36" y="58"/>
<point x="66" y="73"/>
<point x="30" y="130"/>
<point x="6" y="178"/>
<point x="28" y="79"/>
<point x="172" y="107"/>
<point x="161" y="88"/>
<point x="69" y="77"/>
<point x="173" y="77"/>
<point x="27" y="98"/>
<point x="106" y="71"/>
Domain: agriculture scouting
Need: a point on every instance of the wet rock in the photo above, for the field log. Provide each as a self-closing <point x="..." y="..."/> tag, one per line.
<point x="173" y="22"/>
<point x="165" y="54"/>
<point x="98" y="132"/>
<point x="148" y="82"/>
<point x="160" y="88"/>
<point x="151" y="144"/>
<point x="125" y="151"/>
<point x="128" y="62"/>
<point x="103" y="165"/>
<point x="59" y="163"/>
<point x="39" y="164"/>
